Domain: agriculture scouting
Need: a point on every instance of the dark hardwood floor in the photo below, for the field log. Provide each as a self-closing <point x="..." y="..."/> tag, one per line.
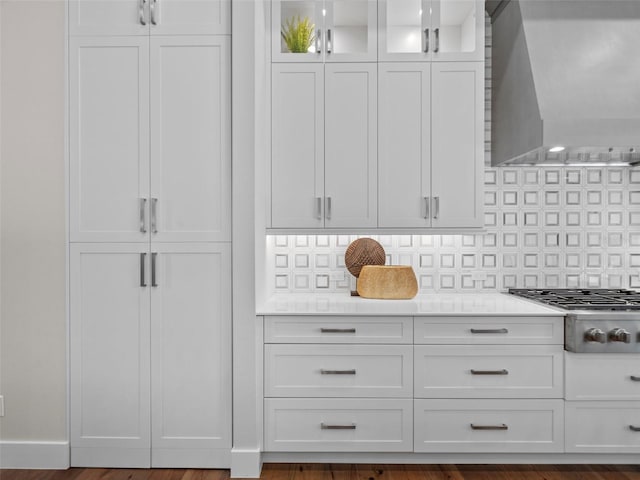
<point x="350" y="472"/>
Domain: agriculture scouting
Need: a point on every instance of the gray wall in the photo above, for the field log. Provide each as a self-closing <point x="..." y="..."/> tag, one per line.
<point x="32" y="221"/>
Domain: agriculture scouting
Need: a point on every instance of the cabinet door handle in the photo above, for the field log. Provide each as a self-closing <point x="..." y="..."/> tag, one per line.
<point x="634" y="428"/>
<point x="337" y="330"/>
<point x="319" y="208"/>
<point x="154" y="257"/>
<point x="328" y="40"/>
<point x="154" y="215"/>
<point x="325" y="426"/>
<point x="337" y="372"/>
<point x="635" y="378"/>
<point x="426" y="207"/>
<point x="489" y="330"/>
<point x="142" y="205"/>
<point x="327" y="208"/>
<point x="141" y="16"/>
<point x="436" y="49"/>
<point x="489" y="427"/>
<point x="153" y="8"/>
<point x="143" y="260"/>
<point x="436" y="208"/>
<point x="489" y="372"/>
<point x="426" y="41"/>
<point x="319" y="41"/>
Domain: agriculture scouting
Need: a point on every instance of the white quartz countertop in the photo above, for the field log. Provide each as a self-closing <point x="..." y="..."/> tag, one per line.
<point x="434" y="304"/>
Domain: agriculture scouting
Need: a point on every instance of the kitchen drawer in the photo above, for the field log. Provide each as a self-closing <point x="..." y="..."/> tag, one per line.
<point x="338" y="371"/>
<point x="312" y="329"/>
<point x="489" y="330"/>
<point x="602" y="427"/>
<point x="488" y="371"/>
<point x="369" y="425"/>
<point x="483" y="426"/>
<point x="607" y="376"/>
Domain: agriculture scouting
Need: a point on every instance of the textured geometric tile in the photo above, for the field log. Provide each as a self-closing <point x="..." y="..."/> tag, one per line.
<point x="301" y="282"/>
<point x="552" y="239"/>
<point x="531" y="177"/>
<point x="282" y="281"/>
<point x="615" y="239"/>
<point x="531" y="219"/>
<point x="510" y="177"/>
<point x="302" y="260"/>
<point x="573" y="239"/>
<point x="510" y="219"/>
<point x="322" y="260"/>
<point x="302" y="241"/>
<point x="634" y="176"/>
<point x="572" y="197"/>
<point x="447" y="260"/>
<point x="490" y="219"/>
<point x="594" y="239"/>
<point x="572" y="177"/>
<point x="614" y="197"/>
<point x="447" y="282"/>
<point x="468" y="240"/>
<point x="615" y="219"/>
<point x="282" y="261"/>
<point x="551" y="260"/>
<point x="322" y="281"/>
<point x="490" y="177"/>
<point x="322" y="241"/>
<point x="281" y="240"/>
<point x="573" y="219"/>
<point x="468" y="260"/>
<point x="614" y="177"/>
<point x="510" y="198"/>
<point x="489" y="260"/>
<point x="552" y="219"/>
<point x="594" y="219"/>
<point x="531" y="198"/>
<point x="489" y="240"/>
<point x="552" y="197"/>
<point x="552" y="177"/>
<point x="426" y="261"/>
<point x="594" y="197"/>
<point x="509" y="239"/>
<point x="530" y="239"/>
<point x="594" y="176"/>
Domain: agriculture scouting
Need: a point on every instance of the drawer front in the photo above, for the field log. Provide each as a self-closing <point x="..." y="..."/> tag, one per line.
<point x="489" y="330"/>
<point x="314" y="329"/>
<point x="338" y="425"/>
<point x="602" y="376"/>
<point x="488" y="371"/>
<point x="483" y="426"/>
<point x="338" y="371"/>
<point x="603" y="427"/>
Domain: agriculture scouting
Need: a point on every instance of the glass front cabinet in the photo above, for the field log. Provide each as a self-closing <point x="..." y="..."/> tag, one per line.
<point x="433" y="30"/>
<point x="324" y="31"/>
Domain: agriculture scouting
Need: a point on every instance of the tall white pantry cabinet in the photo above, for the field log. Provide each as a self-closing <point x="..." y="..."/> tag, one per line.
<point x="150" y="233"/>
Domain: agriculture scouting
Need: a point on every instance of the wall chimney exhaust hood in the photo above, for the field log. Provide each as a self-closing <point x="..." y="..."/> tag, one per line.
<point x="565" y="82"/>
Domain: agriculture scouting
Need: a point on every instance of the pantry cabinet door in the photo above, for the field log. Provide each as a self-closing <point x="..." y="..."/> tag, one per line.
<point x="109" y="139"/>
<point x="190" y="139"/>
<point x="404" y="139"/>
<point x="191" y="355"/>
<point x="109" y="17"/>
<point x="297" y="160"/>
<point x="457" y="144"/>
<point x="109" y="345"/>
<point x="351" y="194"/>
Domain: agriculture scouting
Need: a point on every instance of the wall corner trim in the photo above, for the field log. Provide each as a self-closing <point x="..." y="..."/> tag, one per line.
<point x="34" y="455"/>
<point x="246" y="463"/>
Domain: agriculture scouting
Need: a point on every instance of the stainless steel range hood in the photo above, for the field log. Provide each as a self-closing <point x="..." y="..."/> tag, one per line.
<point x="565" y="73"/>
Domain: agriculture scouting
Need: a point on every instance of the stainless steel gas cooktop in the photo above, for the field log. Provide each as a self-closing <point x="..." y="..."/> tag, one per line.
<point x="597" y="320"/>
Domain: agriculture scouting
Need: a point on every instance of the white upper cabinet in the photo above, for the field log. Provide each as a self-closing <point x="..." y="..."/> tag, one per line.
<point x="435" y="30"/>
<point x="190" y="139"/>
<point x="144" y="17"/>
<point x="109" y="139"/>
<point x="150" y="157"/>
<point x="339" y="30"/>
<point x="323" y="166"/>
<point x="431" y="155"/>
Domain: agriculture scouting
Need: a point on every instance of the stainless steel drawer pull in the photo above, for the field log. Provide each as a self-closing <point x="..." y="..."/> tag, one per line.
<point x="337" y="330"/>
<point x="489" y="372"/>
<point x="153" y="7"/>
<point x="141" y="18"/>
<point x="337" y="372"/>
<point x="327" y="208"/>
<point x="635" y="378"/>
<point x="319" y="208"/>
<point x="634" y="429"/>
<point x="426" y="41"/>
<point x="426" y="208"/>
<point x="318" y="39"/>
<point x="325" y="426"/>
<point x="437" y="47"/>
<point x="154" y="215"/>
<point x="489" y="330"/>
<point x="489" y="427"/>
<point x="329" y="43"/>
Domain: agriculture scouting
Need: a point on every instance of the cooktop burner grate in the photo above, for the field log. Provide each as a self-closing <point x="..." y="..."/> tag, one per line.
<point x="583" y="299"/>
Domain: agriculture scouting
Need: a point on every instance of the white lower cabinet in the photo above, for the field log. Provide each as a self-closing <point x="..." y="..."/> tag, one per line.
<point x="150" y="355"/>
<point x="486" y="426"/>
<point x="338" y="425"/>
<point x="603" y="427"/>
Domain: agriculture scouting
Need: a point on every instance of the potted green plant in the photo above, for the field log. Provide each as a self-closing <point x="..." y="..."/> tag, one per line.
<point x="298" y="34"/>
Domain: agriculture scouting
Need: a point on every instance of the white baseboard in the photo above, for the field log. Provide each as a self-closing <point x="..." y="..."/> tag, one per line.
<point x="34" y="455"/>
<point x="246" y="463"/>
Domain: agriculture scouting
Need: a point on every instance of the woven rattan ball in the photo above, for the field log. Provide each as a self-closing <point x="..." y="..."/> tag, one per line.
<point x="363" y="251"/>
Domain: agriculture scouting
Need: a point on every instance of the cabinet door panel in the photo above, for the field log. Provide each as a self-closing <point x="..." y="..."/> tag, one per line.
<point x="108" y="17"/>
<point x="285" y="12"/>
<point x="191" y="353"/>
<point x="351" y="145"/>
<point x="297" y="174"/>
<point x="109" y="137"/>
<point x="190" y="17"/>
<point x="404" y="141"/>
<point x="457" y="143"/>
<point x="109" y="335"/>
<point x="458" y="29"/>
<point x="190" y="138"/>
<point x="351" y="31"/>
<point x="403" y="31"/>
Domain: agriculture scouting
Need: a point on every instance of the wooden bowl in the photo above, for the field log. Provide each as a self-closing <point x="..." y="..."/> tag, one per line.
<point x="387" y="282"/>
